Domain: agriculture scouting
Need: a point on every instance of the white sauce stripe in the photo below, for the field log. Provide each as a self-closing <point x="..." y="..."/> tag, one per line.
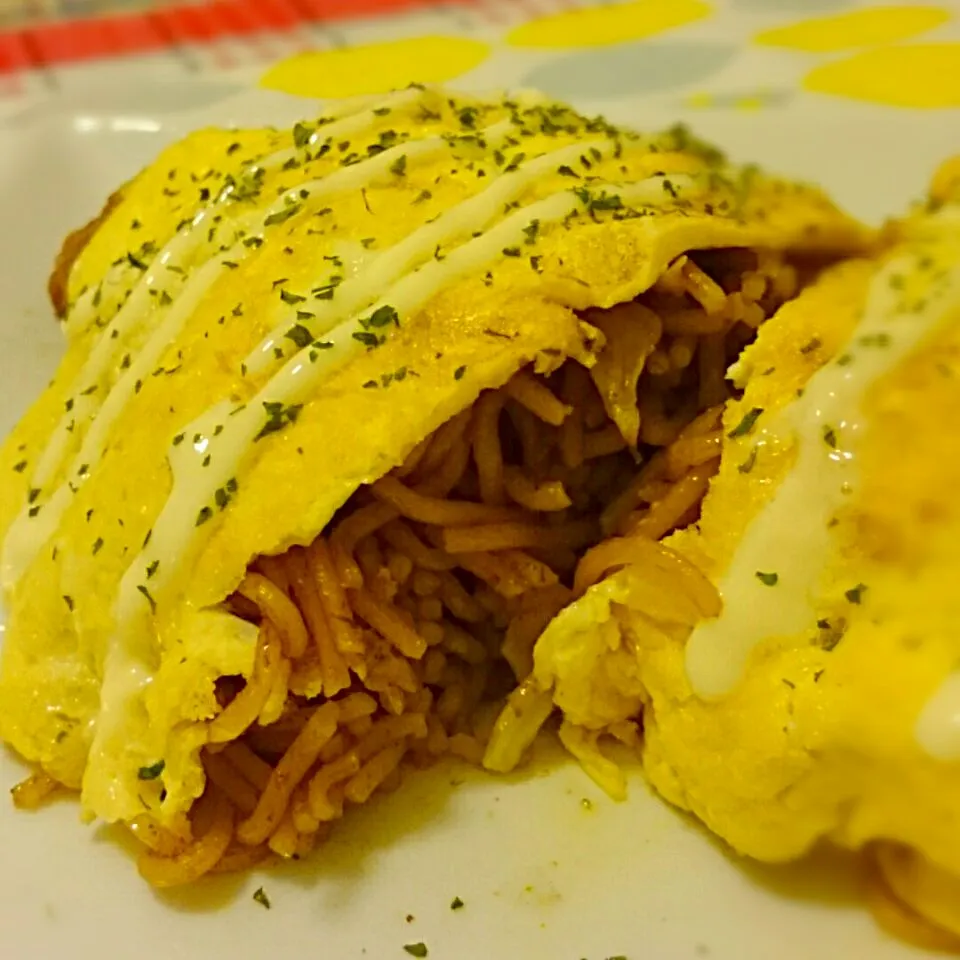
<point x="790" y="536"/>
<point x="351" y="118"/>
<point x="938" y="726"/>
<point x="470" y="215"/>
<point x="33" y="527"/>
<point x="177" y="536"/>
<point x="352" y="123"/>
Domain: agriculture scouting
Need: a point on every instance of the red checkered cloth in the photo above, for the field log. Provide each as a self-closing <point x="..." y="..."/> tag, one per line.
<point x="52" y="32"/>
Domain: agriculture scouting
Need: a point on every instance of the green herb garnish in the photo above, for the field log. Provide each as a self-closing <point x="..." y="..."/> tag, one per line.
<point x="416" y="949"/>
<point x="749" y="463"/>
<point x="300" y="335"/>
<point x="325" y="292"/>
<point x="605" y="201"/>
<point x="746" y="424"/>
<point x="281" y="216"/>
<point x="261" y="897"/>
<point x="831" y="634"/>
<point x="278" y="416"/>
<point x="151" y="772"/>
<point x="381" y="317"/>
<point x="767" y="579"/>
<point x="855" y="594"/>
<point x="369" y="340"/>
<point x="302" y="134"/>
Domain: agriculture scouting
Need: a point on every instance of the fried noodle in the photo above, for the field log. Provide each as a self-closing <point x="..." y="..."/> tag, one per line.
<point x="397" y="635"/>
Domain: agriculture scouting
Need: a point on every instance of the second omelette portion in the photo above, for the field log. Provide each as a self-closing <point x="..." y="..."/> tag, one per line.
<point x="343" y="411"/>
<point x="819" y="698"/>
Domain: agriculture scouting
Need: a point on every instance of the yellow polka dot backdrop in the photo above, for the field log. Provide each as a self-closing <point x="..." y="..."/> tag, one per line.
<point x="858" y="28"/>
<point x="608" y="23"/>
<point x="914" y="75"/>
<point x="376" y="67"/>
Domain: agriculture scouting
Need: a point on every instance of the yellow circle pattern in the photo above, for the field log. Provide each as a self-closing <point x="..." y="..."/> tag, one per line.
<point x="861" y="28"/>
<point x="611" y="23"/>
<point x="918" y="75"/>
<point x="375" y="67"/>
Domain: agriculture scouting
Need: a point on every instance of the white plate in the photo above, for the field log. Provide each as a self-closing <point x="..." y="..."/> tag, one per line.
<point x="542" y="872"/>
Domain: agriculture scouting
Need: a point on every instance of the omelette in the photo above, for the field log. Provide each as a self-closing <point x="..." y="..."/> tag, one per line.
<point x="353" y="421"/>
<point x="794" y="652"/>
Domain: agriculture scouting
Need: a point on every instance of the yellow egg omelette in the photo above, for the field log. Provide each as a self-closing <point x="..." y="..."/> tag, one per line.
<point x="794" y="653"/>
<point x="347" y="412"/>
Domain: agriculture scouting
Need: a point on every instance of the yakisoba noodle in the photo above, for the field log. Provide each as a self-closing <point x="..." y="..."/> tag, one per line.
<point x="890" y="901"/>
<point x="395" y="637"/>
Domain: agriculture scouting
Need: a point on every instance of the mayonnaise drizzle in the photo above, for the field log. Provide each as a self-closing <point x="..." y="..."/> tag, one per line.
<point x="349" y="119"/>
<point x="938" y="726"/>
<point x="166" y="270"/>
<point x="176" y="532"/>
<point x="791" y="536"/>
<point x="351" y="124"/>
<point x="28" y="533"/>
<point x="33" y="527"/>
<point x="472" y="214"/>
